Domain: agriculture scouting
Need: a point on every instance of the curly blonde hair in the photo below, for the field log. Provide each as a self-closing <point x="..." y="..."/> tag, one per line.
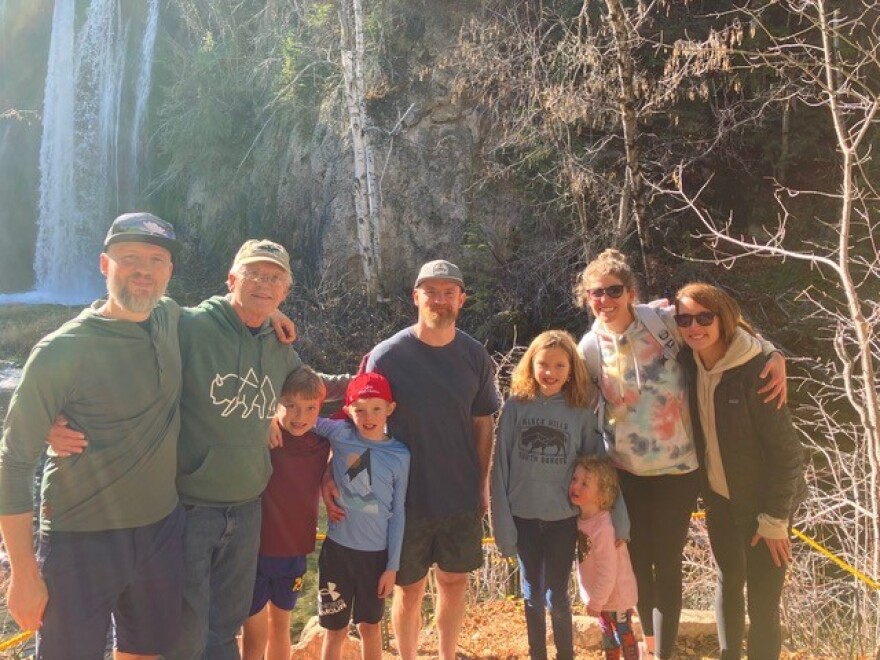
<point x="579" y="391"/>
<point x="611" y="263"/>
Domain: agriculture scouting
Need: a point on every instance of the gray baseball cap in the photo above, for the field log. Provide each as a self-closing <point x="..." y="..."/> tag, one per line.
<point x="440" y="270"/>
<point x="143" y="228"/>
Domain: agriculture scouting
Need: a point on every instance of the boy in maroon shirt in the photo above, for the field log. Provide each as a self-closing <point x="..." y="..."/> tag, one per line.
<point x="290" y="517"/>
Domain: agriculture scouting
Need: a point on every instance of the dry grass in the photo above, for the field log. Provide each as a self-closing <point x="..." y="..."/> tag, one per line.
<point x="22" y="326"/>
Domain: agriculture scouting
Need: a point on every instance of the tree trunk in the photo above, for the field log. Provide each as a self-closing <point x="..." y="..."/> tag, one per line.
<point x="864" y="396"/>
<point x="366" y="193"/>
<point x="632" y="200"/>
<point x="782" y="169"/>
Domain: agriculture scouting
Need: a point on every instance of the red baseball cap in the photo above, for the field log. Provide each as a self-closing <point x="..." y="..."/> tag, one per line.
<point x="368" y="386"/>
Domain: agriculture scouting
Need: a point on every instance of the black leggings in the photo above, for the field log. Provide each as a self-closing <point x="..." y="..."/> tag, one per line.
<point x="743" y="567"/>
<point x="659" y="509"/>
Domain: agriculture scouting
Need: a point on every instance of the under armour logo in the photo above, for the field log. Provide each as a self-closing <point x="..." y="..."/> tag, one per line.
<point x="330" y="591"/>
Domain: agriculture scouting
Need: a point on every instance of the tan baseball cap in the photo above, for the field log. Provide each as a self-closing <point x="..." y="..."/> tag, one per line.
<point x="262" y="250"/>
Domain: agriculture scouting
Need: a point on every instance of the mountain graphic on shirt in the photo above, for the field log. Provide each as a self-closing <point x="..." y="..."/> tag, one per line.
<point x="357" y="484"/>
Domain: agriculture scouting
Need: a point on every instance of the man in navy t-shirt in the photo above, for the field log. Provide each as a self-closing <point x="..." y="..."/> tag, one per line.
<point x="444" y="384"/>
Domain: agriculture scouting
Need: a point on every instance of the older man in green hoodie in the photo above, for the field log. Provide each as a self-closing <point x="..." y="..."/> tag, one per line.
<point x="233" y="370"/>
<point x="110" y="523"/>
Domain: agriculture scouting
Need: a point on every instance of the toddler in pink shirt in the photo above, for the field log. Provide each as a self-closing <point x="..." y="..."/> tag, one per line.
<point x="605" y="575"/>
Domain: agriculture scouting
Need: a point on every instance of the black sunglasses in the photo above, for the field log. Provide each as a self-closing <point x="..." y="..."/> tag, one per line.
<point x="703" y="318"/>
<point x="613" y="291"/>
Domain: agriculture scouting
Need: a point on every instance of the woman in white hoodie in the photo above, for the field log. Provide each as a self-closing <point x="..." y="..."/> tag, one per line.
<point x="750" y="463"/>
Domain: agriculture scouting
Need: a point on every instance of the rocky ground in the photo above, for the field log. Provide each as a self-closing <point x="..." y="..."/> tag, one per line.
<point x="495" y="630"/>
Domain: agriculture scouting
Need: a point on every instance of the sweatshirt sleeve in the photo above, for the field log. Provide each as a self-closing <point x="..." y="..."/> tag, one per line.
<point x="398" y="517"/>
<point x="783" y="453"/>
<point x="598" y="572"/>
<point x="40" y="396"/>
<point x="593" y="445"/>
<point x="666" y="312"/>
<point x="502" y="517"/>
<point x="336" y="385"/>
<point x="620" y="518"/>
<point x="591" y="440"/>
<point x="330" y="428"/>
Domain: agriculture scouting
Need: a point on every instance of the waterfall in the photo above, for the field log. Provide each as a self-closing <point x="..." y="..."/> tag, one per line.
<point x="87" y="174"/>
<point x="142" y="91"/>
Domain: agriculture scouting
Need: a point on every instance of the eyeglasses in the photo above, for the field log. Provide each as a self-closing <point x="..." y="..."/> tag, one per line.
<point x="703" y="318"/>
<point x="273" y="280"/>
<point x="613" y="291"/>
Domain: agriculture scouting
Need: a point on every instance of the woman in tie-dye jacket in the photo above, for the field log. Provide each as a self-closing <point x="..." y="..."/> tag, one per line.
<point x="649" y="436"/>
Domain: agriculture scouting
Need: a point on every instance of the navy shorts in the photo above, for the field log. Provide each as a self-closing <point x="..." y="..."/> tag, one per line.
<point x="134" y="575"/>
<point x="280" y="580"/>
<point x="348" y="585"/>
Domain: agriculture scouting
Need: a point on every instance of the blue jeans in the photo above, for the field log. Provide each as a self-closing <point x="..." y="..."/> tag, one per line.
<point x="220" y="548"/>
<point x="546" y="553"/>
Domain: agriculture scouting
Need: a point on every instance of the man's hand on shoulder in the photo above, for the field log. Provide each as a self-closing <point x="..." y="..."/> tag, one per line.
<point x="284" y="327"/>
<point x="275" y="438"/>
<point x="63" y="440"/>
<point x="777" y="385"/>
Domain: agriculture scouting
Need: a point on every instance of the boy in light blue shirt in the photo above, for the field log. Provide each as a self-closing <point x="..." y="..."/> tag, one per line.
<point x="361" y="555"/>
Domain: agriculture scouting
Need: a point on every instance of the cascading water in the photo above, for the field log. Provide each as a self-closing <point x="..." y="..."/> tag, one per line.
<point x="142" y="91"/>
<point x="87" y="173"/>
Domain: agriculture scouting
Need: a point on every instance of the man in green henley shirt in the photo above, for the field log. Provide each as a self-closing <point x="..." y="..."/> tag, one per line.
<point x="110" y="523"/>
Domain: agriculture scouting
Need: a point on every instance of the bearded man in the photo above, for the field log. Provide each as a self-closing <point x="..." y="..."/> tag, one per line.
<point x="111" y="526"/>
<point x="444" y="384"/>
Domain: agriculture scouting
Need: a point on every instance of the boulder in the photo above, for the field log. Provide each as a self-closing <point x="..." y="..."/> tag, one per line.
<point x="698" y="623"/>
<point x="311" y="639"/>
<point x="694" y="624"/>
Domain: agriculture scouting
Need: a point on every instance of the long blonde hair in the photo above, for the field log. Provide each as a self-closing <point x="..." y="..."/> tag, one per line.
<point x="578" y="390"/>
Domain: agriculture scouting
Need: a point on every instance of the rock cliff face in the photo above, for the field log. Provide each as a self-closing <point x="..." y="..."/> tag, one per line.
<point x="426" y="144"/>
<point x="430" y="193"/>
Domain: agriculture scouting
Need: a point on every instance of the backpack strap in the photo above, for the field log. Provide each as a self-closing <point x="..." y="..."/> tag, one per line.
<point x="649" y="316"/>
<point x="592" y="354"/>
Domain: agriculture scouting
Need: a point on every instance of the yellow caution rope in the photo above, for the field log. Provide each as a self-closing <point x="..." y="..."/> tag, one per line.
<point x="15" y="640"/>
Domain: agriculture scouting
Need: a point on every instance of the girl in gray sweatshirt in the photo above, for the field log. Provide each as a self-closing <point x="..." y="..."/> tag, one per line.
<point x="545" y="424"/>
